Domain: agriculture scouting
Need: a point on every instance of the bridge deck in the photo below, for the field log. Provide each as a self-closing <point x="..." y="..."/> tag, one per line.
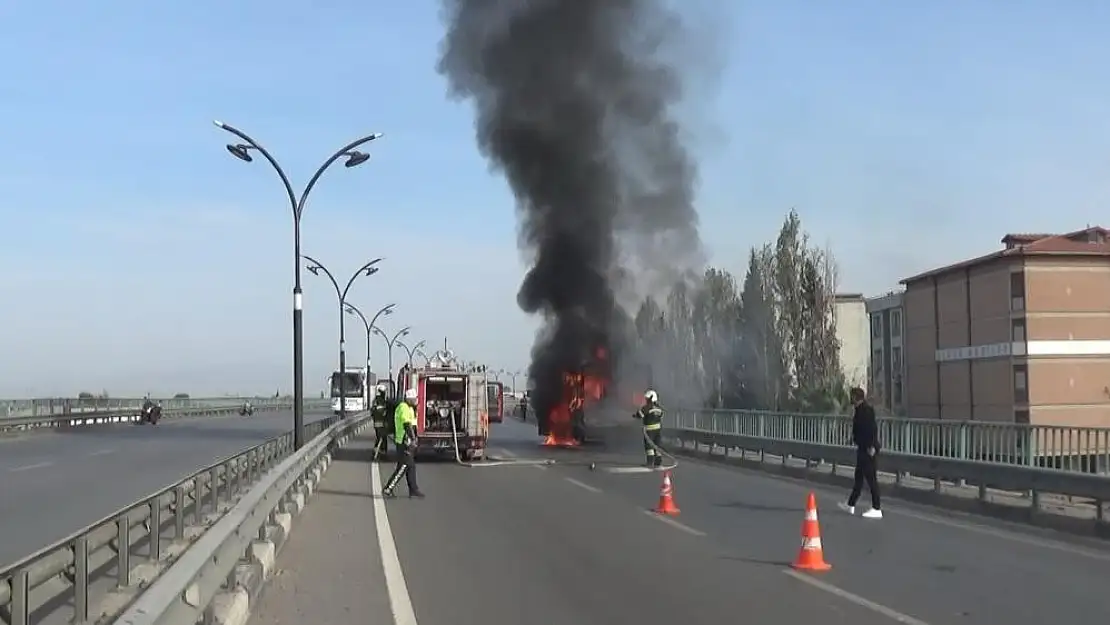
<point x="506" y="545"/>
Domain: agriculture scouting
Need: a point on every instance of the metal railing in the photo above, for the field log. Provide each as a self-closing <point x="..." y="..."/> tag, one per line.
<point x="1065" y="448"/>
<point x="1042" y="466"/>
<point x="68" y="572"/>
<point x="49" y="406"/>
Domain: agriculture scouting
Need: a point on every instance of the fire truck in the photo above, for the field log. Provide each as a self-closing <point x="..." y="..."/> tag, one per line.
<point x="495" y="397"/>
<point x="452" y="408"/>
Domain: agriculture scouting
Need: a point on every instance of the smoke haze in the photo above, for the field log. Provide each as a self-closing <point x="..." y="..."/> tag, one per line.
<point x="575" y="104"/>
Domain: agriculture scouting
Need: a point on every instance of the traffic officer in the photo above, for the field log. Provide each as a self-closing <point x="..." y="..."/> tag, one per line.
<point x="404" y="433"/>
<point x="651" y="415"/>
<point x="379" y="414"/>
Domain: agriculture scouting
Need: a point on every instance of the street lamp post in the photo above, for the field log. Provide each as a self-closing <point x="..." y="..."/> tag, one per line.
<point x="390" y="342"/>
<point x="355" y="158"/>
<point x="411" y="351"/>
<point x="315" y="267"/>
<point x="369" y="325"/>
<point x="423" y="354"/>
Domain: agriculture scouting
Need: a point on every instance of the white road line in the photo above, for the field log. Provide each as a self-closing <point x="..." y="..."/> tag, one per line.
<point x="28" y="467"/>
<point x="399" y="600"/>
<point x="854" y="598"/>
<point x="673" y="523"/>
<point x="583" y="485"/>
<point x="103" y="452"/>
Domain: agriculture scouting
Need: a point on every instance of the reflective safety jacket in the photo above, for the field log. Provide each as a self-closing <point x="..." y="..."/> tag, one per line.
<point x="404" y="418"/>
<point x="651" y="415"/>
<point x="379" y="413"/>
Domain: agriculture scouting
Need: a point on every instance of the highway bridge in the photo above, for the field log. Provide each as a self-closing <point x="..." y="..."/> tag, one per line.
<point x="563" y="545"/>
<point x="55" y="483"/>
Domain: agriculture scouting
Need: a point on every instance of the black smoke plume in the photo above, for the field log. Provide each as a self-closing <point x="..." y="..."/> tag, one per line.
<point x="575" y="104"/>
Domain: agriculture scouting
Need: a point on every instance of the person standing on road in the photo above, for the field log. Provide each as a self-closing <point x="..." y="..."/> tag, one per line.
<point x="379" y="415"/>
<point x="651" y="415"/>
<point x="865" y="435"/>
<point x="404" y="434"/>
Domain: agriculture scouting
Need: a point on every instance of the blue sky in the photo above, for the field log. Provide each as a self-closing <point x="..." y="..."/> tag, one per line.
<point x="907" y="136"/>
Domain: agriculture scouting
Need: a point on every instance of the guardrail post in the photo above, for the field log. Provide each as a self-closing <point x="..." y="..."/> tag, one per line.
<point x="81" y="579"/>
<point x="179" y="496"/>
<point x="155" y="529"/>
<point x="962" y="450"/>
<point x="214" y="488"/>
<point x="123" y="550"/>
<point x="20" y="598"/>
<point x="198" y="500"/>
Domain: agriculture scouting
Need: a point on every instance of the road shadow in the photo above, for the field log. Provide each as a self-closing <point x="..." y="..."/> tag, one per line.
<point x="759" y="507"/>
<point x="775" y="562"/>
<point x="353" y="454"/>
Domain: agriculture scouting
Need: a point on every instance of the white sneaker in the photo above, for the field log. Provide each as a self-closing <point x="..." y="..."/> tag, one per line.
<point x="845" y="507"/>
<point x="873" y="514"/>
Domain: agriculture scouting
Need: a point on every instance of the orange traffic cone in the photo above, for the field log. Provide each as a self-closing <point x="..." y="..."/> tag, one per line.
<point x="666" y="497"/>
<point x="812" y="556"/>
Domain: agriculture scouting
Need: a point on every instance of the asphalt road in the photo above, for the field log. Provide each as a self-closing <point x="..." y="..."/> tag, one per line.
<point x="504" y="545"/>
<point x="51" y="485"/>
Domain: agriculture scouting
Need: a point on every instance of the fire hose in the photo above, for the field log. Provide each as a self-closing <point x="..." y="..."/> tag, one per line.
<point x="592" y="464"/>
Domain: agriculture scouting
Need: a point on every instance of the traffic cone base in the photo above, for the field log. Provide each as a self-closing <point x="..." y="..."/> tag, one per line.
<point x="811" y="557"/>
<point x="666" y="497"/>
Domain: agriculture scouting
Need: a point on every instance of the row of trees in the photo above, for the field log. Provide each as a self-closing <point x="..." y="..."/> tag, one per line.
<point x="765" y="342"/>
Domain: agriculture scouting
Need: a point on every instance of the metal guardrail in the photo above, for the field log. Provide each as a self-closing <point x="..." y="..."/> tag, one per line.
<point x="10" y="408"/>
<point x="122" y="415"/>
<point x="1002" y="457"/>
<point x="1065" y="448"/>
<point x="146" y="531"/>
<point x="184" y="593"/>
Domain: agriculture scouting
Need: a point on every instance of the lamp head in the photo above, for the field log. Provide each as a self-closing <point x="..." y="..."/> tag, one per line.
<point x="356" y="158"/>
<point x="240" y="151"/>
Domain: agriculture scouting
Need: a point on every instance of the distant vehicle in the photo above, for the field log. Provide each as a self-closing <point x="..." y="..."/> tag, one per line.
<point x="246" y="409"/>
<point x="150" y="413"/>
<point x="356" y="387"/>
<point x="495" y="397"/>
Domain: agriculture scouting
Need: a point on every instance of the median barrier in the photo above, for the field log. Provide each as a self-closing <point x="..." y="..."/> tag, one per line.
<point x="1019" y="487"/>
<point x="94" y="573"/>
<point x="127" y="415"/>
<point x="221" y="573"/>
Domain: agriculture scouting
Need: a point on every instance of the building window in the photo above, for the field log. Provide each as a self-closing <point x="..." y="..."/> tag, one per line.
<point x="1021" y="417"/>
<point x="1021" y="384"/>
<point x="1017" y="290"/>
<point x="877" y="326"/>
<point x="1017" y="330"/>
<point x="896" y="323"/>
<point x="896" y="376"/>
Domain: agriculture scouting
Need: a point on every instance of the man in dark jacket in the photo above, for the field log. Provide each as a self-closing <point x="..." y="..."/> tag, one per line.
<point x="865" y="436"/>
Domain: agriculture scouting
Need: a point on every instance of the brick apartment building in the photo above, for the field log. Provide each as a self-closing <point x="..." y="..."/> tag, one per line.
<point x="1019" y="335"/>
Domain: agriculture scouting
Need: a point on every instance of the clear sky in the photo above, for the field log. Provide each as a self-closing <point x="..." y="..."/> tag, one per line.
<point x="907" y="134"/>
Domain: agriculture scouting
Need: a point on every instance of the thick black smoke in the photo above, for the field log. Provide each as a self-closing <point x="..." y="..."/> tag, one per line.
<point x="574" y="102"/>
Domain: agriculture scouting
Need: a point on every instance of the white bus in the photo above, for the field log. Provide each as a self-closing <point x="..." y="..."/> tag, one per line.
<point x="357" y="386"/>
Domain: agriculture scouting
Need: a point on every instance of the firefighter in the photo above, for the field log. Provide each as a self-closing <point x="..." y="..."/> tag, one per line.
<point x="651" y="415"/>
<point x="379" y="414"/>
<point x="404" y="434"/>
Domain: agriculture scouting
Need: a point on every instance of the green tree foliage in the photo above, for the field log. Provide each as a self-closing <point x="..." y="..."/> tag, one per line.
<point x="768" y="341"/>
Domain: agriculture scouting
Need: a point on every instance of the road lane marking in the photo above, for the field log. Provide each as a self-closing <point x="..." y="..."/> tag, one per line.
<point x="103" y="452"/>
<point x="399" y="600"/>
<point x="854" y="598"/>
<point x="583" y="485"/>
<point x="28" y="467"/>
<point x="673" y="523"/>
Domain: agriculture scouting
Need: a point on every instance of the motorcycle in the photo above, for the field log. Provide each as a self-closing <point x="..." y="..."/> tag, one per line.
<point x="150" y="414"/>
<point x="246" y="411"/>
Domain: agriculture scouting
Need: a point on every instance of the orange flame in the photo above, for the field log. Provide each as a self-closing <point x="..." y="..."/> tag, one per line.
<point x="579" y="392"/>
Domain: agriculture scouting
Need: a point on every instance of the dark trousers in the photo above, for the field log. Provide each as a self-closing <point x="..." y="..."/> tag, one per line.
<point x="867" y="470"/>
<point x="653" y="442"/>
<point x="381" y="442"/>
<point x="406" y="467"/>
